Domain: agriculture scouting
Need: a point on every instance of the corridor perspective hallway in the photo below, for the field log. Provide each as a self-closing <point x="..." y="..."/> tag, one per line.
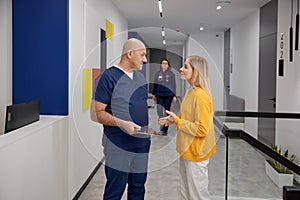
<point x="247" y="178"/>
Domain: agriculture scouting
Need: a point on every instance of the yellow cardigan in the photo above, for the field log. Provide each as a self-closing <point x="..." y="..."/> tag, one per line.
<point x="195" y="129"/>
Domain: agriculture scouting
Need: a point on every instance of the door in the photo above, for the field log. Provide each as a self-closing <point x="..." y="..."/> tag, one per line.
<point x="267" y="88"/>
<point x="267" y="71"/>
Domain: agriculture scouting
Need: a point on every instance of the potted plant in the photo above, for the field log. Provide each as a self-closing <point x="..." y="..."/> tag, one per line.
<point x="278" y="173"/>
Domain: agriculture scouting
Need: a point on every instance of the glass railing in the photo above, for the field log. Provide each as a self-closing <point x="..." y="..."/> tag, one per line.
<point x="249" y="154"/>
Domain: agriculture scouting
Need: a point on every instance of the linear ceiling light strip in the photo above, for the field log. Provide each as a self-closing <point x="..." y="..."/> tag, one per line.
<point x="297" y="28"/>
<point x="160" y="7"/>
<point x="291" y="33"/>
<point x="163" y="33"/>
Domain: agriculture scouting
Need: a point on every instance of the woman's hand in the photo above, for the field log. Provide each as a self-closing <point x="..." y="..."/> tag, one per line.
<point x="154" y="98"/>
<point x="174" y="99"/>
<point x="169" y="119"/>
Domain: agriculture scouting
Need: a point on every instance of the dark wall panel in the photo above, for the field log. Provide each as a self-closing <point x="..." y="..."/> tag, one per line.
<point x="268" y="18"/>
<point x="155" y="56"/>
<point x="40" y="53"/>
<point x="103" y="50"/>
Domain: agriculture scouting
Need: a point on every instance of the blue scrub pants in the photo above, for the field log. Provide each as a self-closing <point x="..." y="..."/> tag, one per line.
<point x="125" y="167"/>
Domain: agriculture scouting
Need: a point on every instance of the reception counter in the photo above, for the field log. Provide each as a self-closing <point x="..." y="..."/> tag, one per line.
<point x="34" y="161"/>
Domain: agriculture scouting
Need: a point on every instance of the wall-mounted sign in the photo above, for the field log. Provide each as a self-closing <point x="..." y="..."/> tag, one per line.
<point x="281" y="59"/>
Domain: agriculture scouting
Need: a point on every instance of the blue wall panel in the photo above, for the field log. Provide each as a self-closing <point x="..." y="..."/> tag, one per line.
<point x="40" y="53"/>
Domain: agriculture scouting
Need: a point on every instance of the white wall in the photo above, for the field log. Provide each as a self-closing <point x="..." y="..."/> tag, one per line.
<point x="288" y="87"/>
<point x="211" y="47"/>
<point x="34" y="161"/>
<point x="5" y="61"/>
<point x="86" y="19"/>
<point x="245" y="62"/>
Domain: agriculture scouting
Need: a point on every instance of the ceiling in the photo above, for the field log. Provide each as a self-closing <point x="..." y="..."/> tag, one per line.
<point x="182" y="17"/>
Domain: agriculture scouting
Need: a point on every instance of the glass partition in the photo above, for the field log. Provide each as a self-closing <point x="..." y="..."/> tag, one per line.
<point x="251" y="149"/>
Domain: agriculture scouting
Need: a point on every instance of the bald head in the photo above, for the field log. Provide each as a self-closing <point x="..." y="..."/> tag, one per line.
<point x="133" y="55"/>
<point x="132" y="44"/>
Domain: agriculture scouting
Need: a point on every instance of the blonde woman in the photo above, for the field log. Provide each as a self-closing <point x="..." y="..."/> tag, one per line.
<point x="195" y="140"/>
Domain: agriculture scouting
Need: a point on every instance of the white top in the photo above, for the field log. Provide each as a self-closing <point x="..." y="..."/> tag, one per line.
<point x="129" y="74"/>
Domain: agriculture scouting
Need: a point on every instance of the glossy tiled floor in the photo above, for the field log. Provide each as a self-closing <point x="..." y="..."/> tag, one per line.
<point x="247" y="178"/>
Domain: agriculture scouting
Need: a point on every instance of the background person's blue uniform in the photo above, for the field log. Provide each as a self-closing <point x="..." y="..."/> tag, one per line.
<point x="126" y="156"/>
<point x="164" y="89"/>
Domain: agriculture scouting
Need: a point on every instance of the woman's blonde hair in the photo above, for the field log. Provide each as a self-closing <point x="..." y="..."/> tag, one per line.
<point x="200" y="72"/>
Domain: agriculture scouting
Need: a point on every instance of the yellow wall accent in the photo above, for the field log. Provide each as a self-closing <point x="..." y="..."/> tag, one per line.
<point x="87" y="88"/>
<point x="109" y="29"/>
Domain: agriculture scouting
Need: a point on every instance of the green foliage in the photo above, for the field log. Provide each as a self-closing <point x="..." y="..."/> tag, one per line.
<point x="278" y="166"/>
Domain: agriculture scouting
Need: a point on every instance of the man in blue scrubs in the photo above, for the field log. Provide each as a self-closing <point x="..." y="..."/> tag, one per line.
<point x="120" y="104"/>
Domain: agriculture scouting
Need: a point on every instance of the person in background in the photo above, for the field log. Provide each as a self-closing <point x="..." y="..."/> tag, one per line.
<point x="120" y="104"/>
<point x="195" y="140"/>
<point x="164" y="89"/>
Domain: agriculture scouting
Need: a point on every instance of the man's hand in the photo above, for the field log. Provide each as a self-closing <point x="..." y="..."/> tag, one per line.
<point x="130" y="127"/>
<point x="106" y="118"/>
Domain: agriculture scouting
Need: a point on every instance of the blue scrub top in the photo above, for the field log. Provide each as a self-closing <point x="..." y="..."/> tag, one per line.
<point x="126" y="99"/>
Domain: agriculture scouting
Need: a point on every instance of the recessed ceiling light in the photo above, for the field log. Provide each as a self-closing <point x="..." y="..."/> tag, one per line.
<point x="163" y="33"/>
<point x="222" y="3"/>
<point x="201" y="28"/>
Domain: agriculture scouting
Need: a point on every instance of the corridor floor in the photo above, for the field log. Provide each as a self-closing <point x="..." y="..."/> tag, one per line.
<point x="247" y="179"/>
